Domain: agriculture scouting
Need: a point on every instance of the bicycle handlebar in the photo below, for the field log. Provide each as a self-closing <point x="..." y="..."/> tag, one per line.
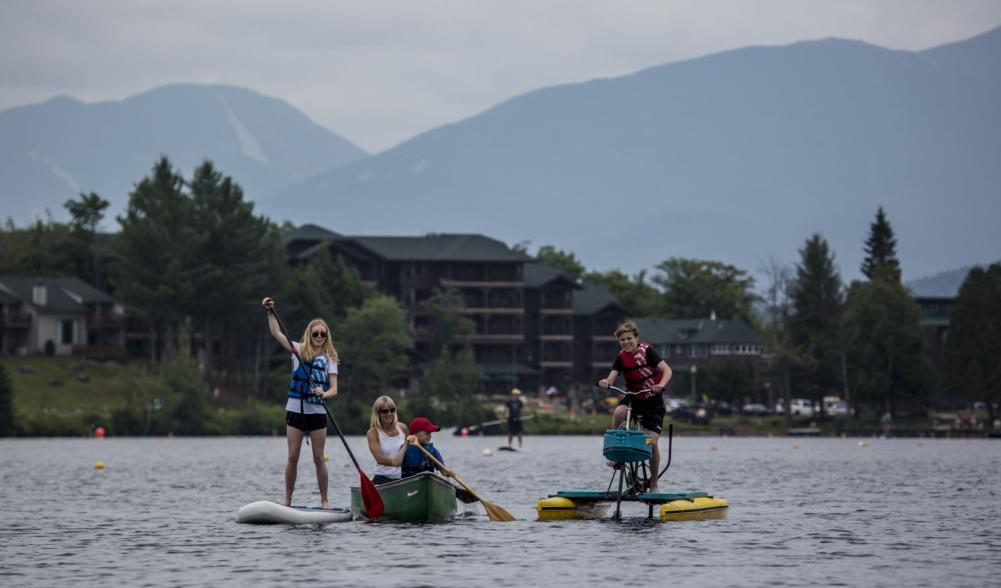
<point x="628" y="392"/>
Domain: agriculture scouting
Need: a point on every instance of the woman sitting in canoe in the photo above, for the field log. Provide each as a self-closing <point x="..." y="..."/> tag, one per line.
<point x="386" y="440"/>
<point x="416" y="461"/>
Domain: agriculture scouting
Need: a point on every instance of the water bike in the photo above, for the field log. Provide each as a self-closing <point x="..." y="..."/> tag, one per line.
<point x="629" y="450"/>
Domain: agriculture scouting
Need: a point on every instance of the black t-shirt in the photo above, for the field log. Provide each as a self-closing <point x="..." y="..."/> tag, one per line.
<point x="514" y="409"/>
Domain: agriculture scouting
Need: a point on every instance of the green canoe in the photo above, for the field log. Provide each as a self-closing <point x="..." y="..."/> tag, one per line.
<point x="424" y="498"/>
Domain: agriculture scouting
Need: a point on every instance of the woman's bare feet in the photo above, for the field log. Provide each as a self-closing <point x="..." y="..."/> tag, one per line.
<point x="286" y="502"/>
<point x="325" y="504"/>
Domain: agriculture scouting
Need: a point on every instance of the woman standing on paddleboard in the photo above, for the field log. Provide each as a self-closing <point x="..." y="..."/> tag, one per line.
<point x="304" y="409"/>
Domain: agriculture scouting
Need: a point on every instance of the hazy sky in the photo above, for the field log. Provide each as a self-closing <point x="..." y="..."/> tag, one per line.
<point x="379" y="72"/>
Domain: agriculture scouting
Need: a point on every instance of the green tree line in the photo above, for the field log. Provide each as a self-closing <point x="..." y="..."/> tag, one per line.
<point x="192" y="261"/>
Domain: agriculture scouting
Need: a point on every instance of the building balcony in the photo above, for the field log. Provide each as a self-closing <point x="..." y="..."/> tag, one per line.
<point x="519" y="310"/>
<point x="479" y="284"/>
<point x="556" y="311"/>
<point x="555" y="337"/>
<point x="16" y="320"/>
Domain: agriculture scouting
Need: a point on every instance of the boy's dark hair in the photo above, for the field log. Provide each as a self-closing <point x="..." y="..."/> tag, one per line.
<point x="626" y="327"/>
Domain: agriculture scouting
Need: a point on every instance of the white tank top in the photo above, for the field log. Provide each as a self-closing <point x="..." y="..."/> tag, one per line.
<point x="389" y="446"/>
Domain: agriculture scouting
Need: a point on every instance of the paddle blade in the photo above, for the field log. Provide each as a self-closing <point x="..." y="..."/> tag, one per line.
<point x="496" y="513"/>
<point x="370" y="497"/>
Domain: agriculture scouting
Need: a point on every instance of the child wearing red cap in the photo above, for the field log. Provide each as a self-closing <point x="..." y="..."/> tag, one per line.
<point x="414" y="460"/>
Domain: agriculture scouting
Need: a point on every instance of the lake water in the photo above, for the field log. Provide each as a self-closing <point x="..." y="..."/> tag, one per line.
<point x="829" y="512"/>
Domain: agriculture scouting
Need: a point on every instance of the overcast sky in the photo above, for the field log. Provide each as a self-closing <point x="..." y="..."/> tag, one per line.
<point x="379" y="72"/>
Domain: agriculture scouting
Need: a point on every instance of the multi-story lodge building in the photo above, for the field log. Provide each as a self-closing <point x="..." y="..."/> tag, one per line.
<point x="487" y="275"/>
<point x="535" y="327"/>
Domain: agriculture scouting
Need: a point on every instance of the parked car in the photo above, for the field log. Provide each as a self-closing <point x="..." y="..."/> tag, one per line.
<point x="797" y="407"/>
<point x="673" y="404"/>
<point x="754" y="409"/>
<point x="695" y="414"/>
<point x="835" y="407"/>
<point x="721" y="407"/>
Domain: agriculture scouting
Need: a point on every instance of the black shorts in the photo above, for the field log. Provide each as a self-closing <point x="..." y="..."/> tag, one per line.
<point x="305" y="422"/>
<point x="514" y="427"/>
<point x="649" y="412"/>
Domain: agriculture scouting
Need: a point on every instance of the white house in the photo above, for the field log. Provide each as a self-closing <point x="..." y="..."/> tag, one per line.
<point x="74" y="316"/>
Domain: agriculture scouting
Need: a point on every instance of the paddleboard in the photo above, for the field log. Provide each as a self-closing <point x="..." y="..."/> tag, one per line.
<point x="506" y="448"/>
<point x="265" y="512"/>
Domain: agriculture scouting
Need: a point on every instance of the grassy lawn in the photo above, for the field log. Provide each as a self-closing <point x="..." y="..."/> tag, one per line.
<point x="67" y="384"/>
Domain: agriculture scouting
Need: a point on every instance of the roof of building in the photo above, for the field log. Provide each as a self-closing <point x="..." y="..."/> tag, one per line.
<point x="440" y="247"/>
<point x="310" y="232"/>
<point x="6" y="298"/>
<point x="592" y="298"/>
<point x="688" y="331"/>
<point x="942" y="285"/>
<point x="63" y="294"/>
<point x="539" y="274"/>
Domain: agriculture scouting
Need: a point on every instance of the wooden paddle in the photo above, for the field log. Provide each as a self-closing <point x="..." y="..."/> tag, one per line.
<point x="369" y="493"/>
<point x="495" y="512"/>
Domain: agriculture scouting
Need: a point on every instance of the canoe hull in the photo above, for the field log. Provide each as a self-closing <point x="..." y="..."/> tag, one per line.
<point x="424" y="498"/>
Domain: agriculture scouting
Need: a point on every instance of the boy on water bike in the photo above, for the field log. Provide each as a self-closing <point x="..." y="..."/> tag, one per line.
<point x="639" y="363"/>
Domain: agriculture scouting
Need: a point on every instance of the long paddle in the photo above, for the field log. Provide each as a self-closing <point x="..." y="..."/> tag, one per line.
<point x="495" y="512"/>
<point x="369" y="493"/>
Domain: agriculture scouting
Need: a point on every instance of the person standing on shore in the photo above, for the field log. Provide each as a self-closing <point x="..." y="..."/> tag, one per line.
<point x="513" y="408"/>
<point x="304" y="407"/>
<point x="639" y="363"/>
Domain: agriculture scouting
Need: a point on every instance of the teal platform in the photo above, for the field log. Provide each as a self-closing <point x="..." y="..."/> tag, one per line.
<point x="646" y="497"/>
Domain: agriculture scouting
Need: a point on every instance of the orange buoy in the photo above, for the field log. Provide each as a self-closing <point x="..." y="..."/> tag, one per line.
<point x="99" y="432"/>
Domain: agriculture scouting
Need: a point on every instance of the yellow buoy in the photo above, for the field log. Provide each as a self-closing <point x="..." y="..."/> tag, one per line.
<point x="326" y="457"/>
<point x="795" y="445"/>
<point x="99" y="465"/>
<point x="863" y="444"/>
<point x="487" y="453"/>
<point x="713" y="447"/>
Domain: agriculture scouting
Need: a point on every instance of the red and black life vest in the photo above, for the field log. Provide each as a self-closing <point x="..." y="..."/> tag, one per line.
<point x="637" y="373"/>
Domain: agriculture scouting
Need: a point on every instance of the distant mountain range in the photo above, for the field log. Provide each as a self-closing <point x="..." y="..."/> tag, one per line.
<point x="738" y="156"/>
<point x="50" y="152"/>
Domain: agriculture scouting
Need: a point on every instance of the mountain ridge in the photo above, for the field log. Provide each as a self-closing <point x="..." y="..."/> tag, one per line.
<point x="53" y="150"/>
<point x="785" y="122"/>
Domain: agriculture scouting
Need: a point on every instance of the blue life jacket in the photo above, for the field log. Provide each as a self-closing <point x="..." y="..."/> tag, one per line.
<point x="299" y="388"/>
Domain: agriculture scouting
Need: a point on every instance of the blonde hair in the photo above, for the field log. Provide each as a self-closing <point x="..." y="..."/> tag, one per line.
<point x="626" y="327"/>
<point x="379" y="404"/>
<point x="306" y="348"/>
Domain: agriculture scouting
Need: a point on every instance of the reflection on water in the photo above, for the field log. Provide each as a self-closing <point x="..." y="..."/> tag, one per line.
<point x="163" y="512"/>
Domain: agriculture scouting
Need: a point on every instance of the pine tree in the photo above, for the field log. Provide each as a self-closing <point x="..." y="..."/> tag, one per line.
<point x="815" y="322"/>
<point x="157" y="249"/>
<point x="87" y="214"/>
<point x="880" y="247"/>
<point x="886" y="364"/>
<point x="972" y="354"/>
